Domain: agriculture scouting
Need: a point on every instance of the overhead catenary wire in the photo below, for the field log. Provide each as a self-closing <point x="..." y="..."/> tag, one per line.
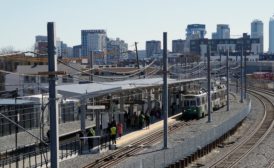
<point x="79" y="71"/>
<point x="104" y="77"/>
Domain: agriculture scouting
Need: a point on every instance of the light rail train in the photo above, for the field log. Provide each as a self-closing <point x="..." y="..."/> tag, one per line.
<point x="195" y="102"/>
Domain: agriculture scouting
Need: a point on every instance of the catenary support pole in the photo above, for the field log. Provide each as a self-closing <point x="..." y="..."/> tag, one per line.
<point x="52" y="67"/>
<point x="91" y="65"/>
<point x="227" y="81"/>
<point x="137" y="56"/>
<point x="241" y="75"/>
<point x="16" y="128"/>
<point x="220" y="64"/>
<point x="208" y="82"/>
<point x="245" y="69"/>
<point x="165" y="89"/>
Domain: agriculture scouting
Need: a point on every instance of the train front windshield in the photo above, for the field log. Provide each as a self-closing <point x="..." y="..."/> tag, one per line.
<point x="189" y="103"/>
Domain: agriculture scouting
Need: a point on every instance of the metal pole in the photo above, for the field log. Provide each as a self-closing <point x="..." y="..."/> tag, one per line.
<point x="241" y="77"/>
<point x="237" y="59"/>
<point x="227" y="81"/>
<point x="208" y="83"/>
<point x="16" y="130"/>
<point x="42" y="120"/>
<point x="137" y="57"/>
<point x="91" y="66"/>
<point x="165" y="89"/>
<point x="16" y="127"/>
<point x="220" y="64"/>
<point x="237" y="84"/>
<point x="52" y="67"/>
<point x="83" y="110"/>
<point x="245" y="74"/>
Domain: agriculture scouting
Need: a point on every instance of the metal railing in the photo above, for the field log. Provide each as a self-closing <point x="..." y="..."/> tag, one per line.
<point x="37" y="156"/>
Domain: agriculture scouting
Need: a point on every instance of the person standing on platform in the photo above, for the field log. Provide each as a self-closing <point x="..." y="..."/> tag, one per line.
<point x="48" y="135"/>
<point x="141" y="120"/>
<point x="147" y="120"/>
<point x="91" y="133"/>
<point x="113" y="132"/>
<point x="120" y="129"/>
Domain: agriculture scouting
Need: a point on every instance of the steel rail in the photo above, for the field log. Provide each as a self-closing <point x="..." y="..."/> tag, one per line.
<point x="136" y="147"/>
<point x="250" y="142"/>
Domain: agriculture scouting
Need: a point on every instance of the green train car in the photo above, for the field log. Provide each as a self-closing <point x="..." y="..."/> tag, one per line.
<point x="195" y="103"/>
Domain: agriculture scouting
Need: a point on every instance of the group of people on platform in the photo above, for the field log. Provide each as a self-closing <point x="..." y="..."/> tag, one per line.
<point x="114" y="129"/>
<point x="142" y="120"/>
<point x="134" y="121"/>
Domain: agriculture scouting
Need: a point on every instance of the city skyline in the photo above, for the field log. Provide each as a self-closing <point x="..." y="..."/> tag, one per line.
<point x="130" y="20"/>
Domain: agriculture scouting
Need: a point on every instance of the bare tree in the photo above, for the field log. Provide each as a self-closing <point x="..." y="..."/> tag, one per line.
<point x="7" y="50"/>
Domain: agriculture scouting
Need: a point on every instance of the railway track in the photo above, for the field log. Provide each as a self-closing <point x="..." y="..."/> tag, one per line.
<point x="124" y="152"/>
<point x="255" y="138"/>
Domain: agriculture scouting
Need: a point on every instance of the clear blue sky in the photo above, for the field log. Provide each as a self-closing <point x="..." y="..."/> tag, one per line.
<point x="131" y="20"/>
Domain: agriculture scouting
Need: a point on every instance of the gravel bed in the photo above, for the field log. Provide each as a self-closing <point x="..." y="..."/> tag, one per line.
<point x="262" y="155"/>
<point x="182" y="135"/>
<point x="246" y="128"/>
<point x="8" y="142"/>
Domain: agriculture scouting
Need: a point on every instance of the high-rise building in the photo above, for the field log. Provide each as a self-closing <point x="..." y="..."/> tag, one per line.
<point x="40" y="38"/>
<point x="77" y="51"/>
<point x="41" y="45"/>
<point x="214" y="35"/>
<point x="257" y="31"/>
<point x="223" y="32"/>
<point x="93" y="40"/>
<point x="153" y="47"/>
<point x="271" y="35"/>
<point x="116" y="50"/>
<point x="178" y="46"/>
<point x="250" y="45"/>
<point x="69" y="52"/>
<point x="194" y="31"/>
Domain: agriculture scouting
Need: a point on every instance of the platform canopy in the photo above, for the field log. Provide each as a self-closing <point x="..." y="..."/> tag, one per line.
<point x="100" y="88"/>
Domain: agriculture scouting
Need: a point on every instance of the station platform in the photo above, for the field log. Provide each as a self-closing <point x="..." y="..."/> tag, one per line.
<point x="182" y="135"/>
<point x="129" y="138"/>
